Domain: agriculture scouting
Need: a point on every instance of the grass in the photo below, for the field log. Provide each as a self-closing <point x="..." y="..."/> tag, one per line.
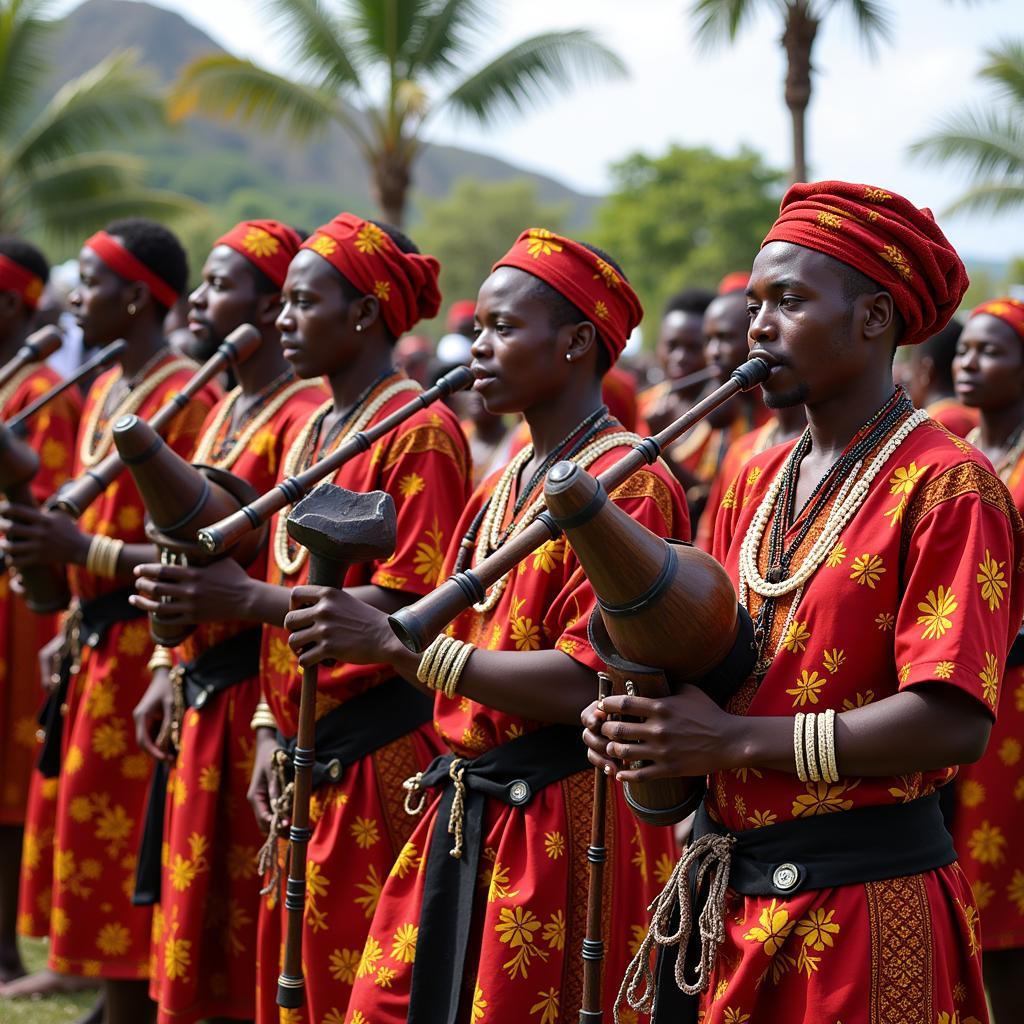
<point x="56" y="1010"/>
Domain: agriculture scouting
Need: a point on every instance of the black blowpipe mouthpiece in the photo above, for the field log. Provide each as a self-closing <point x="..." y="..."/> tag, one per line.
<point x="751" y="373"/>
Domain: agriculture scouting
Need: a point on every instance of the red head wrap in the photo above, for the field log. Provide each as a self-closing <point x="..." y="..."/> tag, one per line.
<point x="404" y="282"/>
<point x="887" y="239"/>
<point x="130" y="267"/>
<point x="268" y="245"/>
<point x="590" y="283"/>
<point x="737" y="281"/>
<point x="16" y="278"/>
<point x="1010" y="311"/>
<point x="464" y="309"/>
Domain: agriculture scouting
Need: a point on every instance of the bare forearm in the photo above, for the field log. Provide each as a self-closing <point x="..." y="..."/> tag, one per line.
<point x="132" y="555"/>
<point x="263" y="602"/>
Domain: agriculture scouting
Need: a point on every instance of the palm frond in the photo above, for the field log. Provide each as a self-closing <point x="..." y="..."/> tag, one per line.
<point x="315" y="38"/>
<point x="381" y="29"/>
<point x="989" y="197"/>
<point x="1004" y="67"/>
<point x="874" y="24"/>
<point x="719" y="21"/>
<point x="445" y="33"/>
<point x="228" y="87"/>
<point x="80" y="176"/>
<point x="111" y="99"/>
<point x="23" y="34"/>
<point x="530" y="71"/>
<point x="986" y="142"/>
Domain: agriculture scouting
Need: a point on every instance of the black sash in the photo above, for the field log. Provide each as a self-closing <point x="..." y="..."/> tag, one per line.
<point x="216" y="669"/>
<point x="512" y="773"/>
<point x="866" y="844"/>
<point x="362" y="725"/>
<point x="95" y="619"/>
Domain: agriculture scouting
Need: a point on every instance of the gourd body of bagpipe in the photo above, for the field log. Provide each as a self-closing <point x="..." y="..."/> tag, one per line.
<point x="666" y="614"/>
<point x="180" y="499"/>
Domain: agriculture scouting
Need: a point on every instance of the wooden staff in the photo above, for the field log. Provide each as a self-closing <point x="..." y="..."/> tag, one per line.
<point x="693" y="379"/>
<point x="222" y="535"/>
<point x="100" y="361"/>
<point x="339" y="528"/>
<point x="593" y="944"/>
<point x="38" y="346"/>
<point x="74" y="498"/>
<point x="419" y="623"/>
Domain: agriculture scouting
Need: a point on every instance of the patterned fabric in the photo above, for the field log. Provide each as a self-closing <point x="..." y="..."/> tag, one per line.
<point x="529" y="921"/>
<point x="20" y="280"/>
<point x="922" y="587"/>
<point x="268" y="245"/>
<point x="360" y="824"/>
<point x="886" y="238"/>
<point x="35" y="885"/>
<point x="988" y="824"/>
<point x="130" y="267"/>
<point x="94" y="929"/>
<point x="590" y="283"/>
<point x="1010" y="311"/>
<point x="204" y="931"/>
<point x="51" y="434"/>
<point x="405" y="283"/>
<point x="957" y="418"/>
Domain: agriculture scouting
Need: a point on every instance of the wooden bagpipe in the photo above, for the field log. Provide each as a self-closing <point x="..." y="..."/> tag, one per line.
<point x="77" y="495"/>
<point x="45" y="586"/>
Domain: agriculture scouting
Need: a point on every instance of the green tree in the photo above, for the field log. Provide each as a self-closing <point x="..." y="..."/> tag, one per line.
<point x="686" y="218"/>
<point x="475" y="224"/>
<point x="721" y="20"/>
<point x="54" y="180"/>
<point x="988" y="141"/>
<point x="384" y="71"/>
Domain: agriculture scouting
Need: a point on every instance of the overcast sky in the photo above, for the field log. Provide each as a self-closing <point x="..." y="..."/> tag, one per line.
<point x="864" y="114"/>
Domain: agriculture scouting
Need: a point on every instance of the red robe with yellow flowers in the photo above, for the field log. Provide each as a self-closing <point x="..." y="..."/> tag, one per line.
<point x="723" y="486"/>
<point x="921" y="587"/>
<point x="94" y="929"/>
<point x="204" y="930"/>
<point x="359" y="823"/>
<point x="988" y="824"/>
<point x="24" y="798"/>
<point x="523" y="962"/>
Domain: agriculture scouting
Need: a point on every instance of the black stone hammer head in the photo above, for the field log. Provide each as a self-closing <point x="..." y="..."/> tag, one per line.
<point x="341" y="526"/>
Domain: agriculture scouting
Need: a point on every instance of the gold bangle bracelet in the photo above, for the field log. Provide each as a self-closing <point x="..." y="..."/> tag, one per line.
<point x="827" y="746"/>
<point x="161" y="658"/>
<point x="810" y="747"/>
<point x="446" y="663"/>
<point x="425" y="667"/>
<point x="262" y="717"/>
<point x="798" y="747"/>
<point x="451" y="684"/>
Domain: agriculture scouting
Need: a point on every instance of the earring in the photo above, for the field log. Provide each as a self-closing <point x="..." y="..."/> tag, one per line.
<point x="568" y="357"/>
<point x="132" y="310"/>
<point x="359" y="328"/>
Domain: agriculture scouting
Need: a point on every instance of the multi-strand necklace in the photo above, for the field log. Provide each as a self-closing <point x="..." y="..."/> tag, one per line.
<point x="1014" y="449"/>
<point x="290" y="556"/>
<point x="583" y="445"/>
<point x="888" y="427"/>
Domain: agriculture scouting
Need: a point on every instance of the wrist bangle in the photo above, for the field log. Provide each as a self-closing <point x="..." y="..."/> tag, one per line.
<point x="827" y="745"/>
<point x="263" y="717"/>
<point x="798" y="746"/>
<point x="161" y="658"/>
<point x="451" y="684"/>
<point x="810" y="747"/>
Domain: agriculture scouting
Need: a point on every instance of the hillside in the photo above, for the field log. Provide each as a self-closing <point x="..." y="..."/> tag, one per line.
<point x="215" y="162"/>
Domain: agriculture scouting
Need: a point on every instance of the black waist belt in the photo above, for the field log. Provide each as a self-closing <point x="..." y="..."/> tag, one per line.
<point x="216" y="669"/>
<point x="867" y="844"/>
<point x="513" y="773"/>
<point x="362" y="725"/>
<point x="94" y="619"/>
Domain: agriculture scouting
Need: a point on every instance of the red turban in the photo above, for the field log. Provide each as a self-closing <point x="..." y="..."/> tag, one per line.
<point x="464" y="309"/>
<point x="405" y="283"/>
<point x="130" y="267"/>
<point x="20" y="280"/>
<point x="887" y="239"/>
<point x="268" y="245"/>
<point x="737" y="281"/>
<point x="1010" y="311"/>
<point x="578" y="274"/>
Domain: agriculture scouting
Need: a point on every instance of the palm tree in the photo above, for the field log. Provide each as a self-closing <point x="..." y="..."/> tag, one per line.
<point x="721" y="20"/>
<point x="383" y="70"/>
<point x="988" y="141"/>
<point x="53" y="181"/>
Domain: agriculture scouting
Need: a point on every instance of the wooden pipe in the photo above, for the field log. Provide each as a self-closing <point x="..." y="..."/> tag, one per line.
<point x="419" y="623"/>
<point x="222" y="535"/>
<point x="39" y="345"/>
<point x="100" y="361"/>
<point x="179" y="498"/>
<point x="339" y="528"/>
<point x="75" y="497"/>
<point x="701" y="376"/>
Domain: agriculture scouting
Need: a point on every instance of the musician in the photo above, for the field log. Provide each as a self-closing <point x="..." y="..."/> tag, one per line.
<point x="989" y="820"/>
<point x="352" y="289"/>
<point x="494" y="930"/>
<point x="131" y="274"/>
<point x="862" y="552"/>
<point x="205" y="939"/>
<point x="931" y="384"/>
<point x="23" y="274"/>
